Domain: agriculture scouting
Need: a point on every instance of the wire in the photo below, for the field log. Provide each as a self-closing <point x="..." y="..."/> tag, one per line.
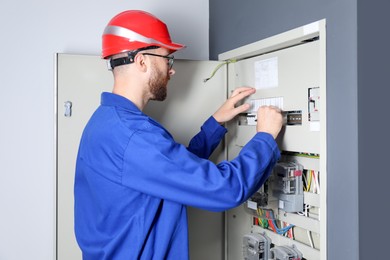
<point x="274" y="226"/>
<point x="267" y="219"/>
<point x="305" y="182"/>
<point x="315" y="174"/>
<point x="306" y="213"/>
<point x="218" y="67"/>
<point x="310" y="238"/>
<point x="292" y="233"/>
<point x="264" y="213"/>
<point x="309" y="184"/>
<point x="300" y="154"/>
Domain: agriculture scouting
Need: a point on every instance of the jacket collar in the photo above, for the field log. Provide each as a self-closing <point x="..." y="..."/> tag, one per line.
<point x="111" y="99"/>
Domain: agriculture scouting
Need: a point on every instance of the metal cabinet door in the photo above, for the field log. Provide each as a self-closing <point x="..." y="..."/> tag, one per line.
<point x="80" y="79"/>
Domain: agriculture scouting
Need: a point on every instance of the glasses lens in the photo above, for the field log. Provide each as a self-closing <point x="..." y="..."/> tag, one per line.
<point x="170" y="62"/>
<point x="170" y="58"/>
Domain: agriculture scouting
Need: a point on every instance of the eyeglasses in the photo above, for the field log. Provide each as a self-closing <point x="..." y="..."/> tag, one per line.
<point x="171" y="59"/>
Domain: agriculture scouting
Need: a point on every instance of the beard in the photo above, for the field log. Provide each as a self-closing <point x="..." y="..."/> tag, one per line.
<point x="158" y="85"/>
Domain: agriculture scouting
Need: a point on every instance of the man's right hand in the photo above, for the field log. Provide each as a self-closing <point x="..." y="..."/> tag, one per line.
<point x="269" y="120"/>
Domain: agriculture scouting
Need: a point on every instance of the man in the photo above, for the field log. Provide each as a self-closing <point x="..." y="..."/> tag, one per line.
<point x="133" y="181"/>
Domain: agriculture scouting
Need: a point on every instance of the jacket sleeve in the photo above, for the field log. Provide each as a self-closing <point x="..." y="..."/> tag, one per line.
<point x="155" y="164"/>
<point x="204" y="143"/>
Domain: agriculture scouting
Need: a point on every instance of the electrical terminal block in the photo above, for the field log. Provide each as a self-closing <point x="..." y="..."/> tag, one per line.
<point x="261" y="199"/>
<point x="256" y="246"/>
<point x="286" y="253"/>
<point x="263" y="213"/>
<point x="290" y="118"/>
<point x="261" y="205"/>
<point x="293" y="117"/>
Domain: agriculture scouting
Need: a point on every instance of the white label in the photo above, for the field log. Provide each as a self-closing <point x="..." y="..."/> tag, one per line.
<point x="266" y="73"/>
<point x="273" y="101"/>
<point x="251" y="119"/>
<point x="252" y="205"/>
<point x="281" y="204"/>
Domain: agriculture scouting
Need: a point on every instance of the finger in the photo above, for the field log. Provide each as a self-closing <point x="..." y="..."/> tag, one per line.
<point x="241" y="109"/>
<point x="276" y="108"/>
<point x="242" y="95"/>
<point x="241" y="89"/>
<point x="270" y="107"/>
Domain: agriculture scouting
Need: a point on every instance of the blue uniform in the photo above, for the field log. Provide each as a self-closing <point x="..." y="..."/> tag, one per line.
<point x="133" y="182"/>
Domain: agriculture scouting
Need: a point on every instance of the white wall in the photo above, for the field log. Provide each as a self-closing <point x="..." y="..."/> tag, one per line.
<point x="31" y="32"/>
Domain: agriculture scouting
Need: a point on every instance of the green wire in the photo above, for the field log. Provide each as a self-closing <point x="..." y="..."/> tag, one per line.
<point x="298" y="154"/>
<point x="218" y="67"/>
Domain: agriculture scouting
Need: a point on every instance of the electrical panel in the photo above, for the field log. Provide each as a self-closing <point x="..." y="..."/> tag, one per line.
<point x="288" y="211"/>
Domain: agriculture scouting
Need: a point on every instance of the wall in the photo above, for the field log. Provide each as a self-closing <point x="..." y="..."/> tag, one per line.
<point x="374" y="128"/>
<point x="32" y="31"/>
<point x="236" y="23"/>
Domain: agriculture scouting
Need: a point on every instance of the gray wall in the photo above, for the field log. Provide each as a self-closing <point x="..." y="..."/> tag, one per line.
<point x="374" y="129"/>
<point x="235" y="23"/>
<point x="32" y="31"/>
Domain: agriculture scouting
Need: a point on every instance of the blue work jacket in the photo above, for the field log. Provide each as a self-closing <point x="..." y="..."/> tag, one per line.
<point x="133" y="182"/>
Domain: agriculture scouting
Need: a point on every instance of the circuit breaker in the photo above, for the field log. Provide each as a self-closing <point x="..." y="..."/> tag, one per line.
<point x="285" y="253"/>
<point x="288" y="72"/>
<point x="283" y="190"/>
<point x="256" y="247"/>
<point x="288" y="186"/>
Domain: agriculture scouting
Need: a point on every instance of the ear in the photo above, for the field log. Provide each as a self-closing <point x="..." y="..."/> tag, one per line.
<point x="140" y="62"/>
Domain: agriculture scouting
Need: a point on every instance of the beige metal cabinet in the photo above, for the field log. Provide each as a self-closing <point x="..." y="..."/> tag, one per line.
<point x="80" y="80"/>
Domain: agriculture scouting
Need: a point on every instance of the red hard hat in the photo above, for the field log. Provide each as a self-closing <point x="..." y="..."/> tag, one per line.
<point x="134" y="29"/>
